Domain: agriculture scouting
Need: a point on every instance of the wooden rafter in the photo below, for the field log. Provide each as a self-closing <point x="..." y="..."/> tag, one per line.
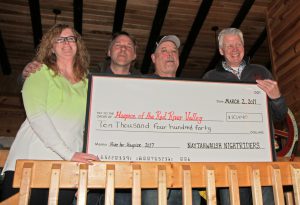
<point x="36" y="21"/>
<point x="262" y="37"/>
<point x="119" y="15"/>
<point x="196" y="27"/>
<point x="77" y="11"/>
<point x="157" y="24"/>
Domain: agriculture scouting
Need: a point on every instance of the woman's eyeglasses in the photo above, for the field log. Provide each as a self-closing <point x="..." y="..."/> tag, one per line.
<point x="66" y="39"/>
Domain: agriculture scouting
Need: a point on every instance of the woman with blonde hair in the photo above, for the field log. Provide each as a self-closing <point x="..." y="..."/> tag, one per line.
<point x="55" y="103"/>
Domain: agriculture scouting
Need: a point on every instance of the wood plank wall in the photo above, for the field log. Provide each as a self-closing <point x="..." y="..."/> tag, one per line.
<point x="283" y="28"/>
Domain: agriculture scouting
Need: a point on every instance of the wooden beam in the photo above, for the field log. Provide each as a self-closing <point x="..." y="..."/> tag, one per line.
<point x="258" y="43"/>
<point x="77" y="12"/>
<point x="157" y="24"/>
<point x="119" y="15"/>
<point x="242" y="13"/>
<point x="236" y="24"/>
<point x="36" y="21"/>
<point x="4" y="62"/>
<point x="190" y="41"/>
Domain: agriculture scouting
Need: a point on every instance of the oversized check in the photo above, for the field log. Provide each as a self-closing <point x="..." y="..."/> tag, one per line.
<point x="161" y="120"/>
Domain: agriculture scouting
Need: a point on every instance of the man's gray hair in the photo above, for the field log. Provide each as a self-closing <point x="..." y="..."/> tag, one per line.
<point x="229" y="31"/>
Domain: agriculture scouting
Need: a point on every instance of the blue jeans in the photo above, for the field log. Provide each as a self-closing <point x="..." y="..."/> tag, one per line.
<point x="246" y="196"/>
<point x="150" y="197"/>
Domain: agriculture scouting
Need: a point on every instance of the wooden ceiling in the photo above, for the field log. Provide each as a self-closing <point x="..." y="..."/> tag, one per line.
<point x="22" y="24"/>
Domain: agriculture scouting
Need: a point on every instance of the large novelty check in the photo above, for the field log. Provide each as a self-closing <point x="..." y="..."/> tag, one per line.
<point x="161" y="120"/>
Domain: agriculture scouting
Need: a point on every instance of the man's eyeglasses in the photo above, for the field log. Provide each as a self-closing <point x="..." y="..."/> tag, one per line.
<point x="66" y="39"/>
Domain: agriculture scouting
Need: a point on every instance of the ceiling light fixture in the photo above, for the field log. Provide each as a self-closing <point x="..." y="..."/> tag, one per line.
<point x="56" y="13"/>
